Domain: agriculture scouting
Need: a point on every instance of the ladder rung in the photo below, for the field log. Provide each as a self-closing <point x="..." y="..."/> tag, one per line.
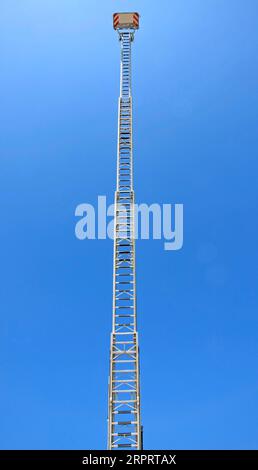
<point x="125" y="446"/>
<point x="124" y="342"/>
<point x="124" y="423"/>
<point x="124" y="381"/>
<point x="124" y="361"/>
<point x="124" y="402"/>
<point x="123" y="316"/>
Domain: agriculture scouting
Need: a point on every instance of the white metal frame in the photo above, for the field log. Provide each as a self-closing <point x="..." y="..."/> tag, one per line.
<point x="124" y="420"/>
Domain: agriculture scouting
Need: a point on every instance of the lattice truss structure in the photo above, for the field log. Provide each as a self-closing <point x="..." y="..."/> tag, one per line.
<point x="124" y="421"/>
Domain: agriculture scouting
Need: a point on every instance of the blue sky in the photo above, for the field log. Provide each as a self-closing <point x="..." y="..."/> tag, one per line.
<point x="195" y="120"/>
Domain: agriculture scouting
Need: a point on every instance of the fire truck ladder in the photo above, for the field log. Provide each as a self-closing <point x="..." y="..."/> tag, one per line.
<point x="124" y="420"/>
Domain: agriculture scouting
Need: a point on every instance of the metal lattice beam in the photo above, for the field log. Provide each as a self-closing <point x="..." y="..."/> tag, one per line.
<point x="124" y="420"/>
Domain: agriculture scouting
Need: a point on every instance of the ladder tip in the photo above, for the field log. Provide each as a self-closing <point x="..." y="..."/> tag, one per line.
<point x="126" y="20"/>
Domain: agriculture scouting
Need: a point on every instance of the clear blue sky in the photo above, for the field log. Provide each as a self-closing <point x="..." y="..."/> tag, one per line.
<point x="195" y="109"/>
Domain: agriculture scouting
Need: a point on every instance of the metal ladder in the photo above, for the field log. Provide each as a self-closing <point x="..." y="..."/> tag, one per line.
<point x="124" y="421"/>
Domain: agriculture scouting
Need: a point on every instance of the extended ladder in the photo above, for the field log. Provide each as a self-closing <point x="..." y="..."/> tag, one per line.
<point x="124" y="421"/>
